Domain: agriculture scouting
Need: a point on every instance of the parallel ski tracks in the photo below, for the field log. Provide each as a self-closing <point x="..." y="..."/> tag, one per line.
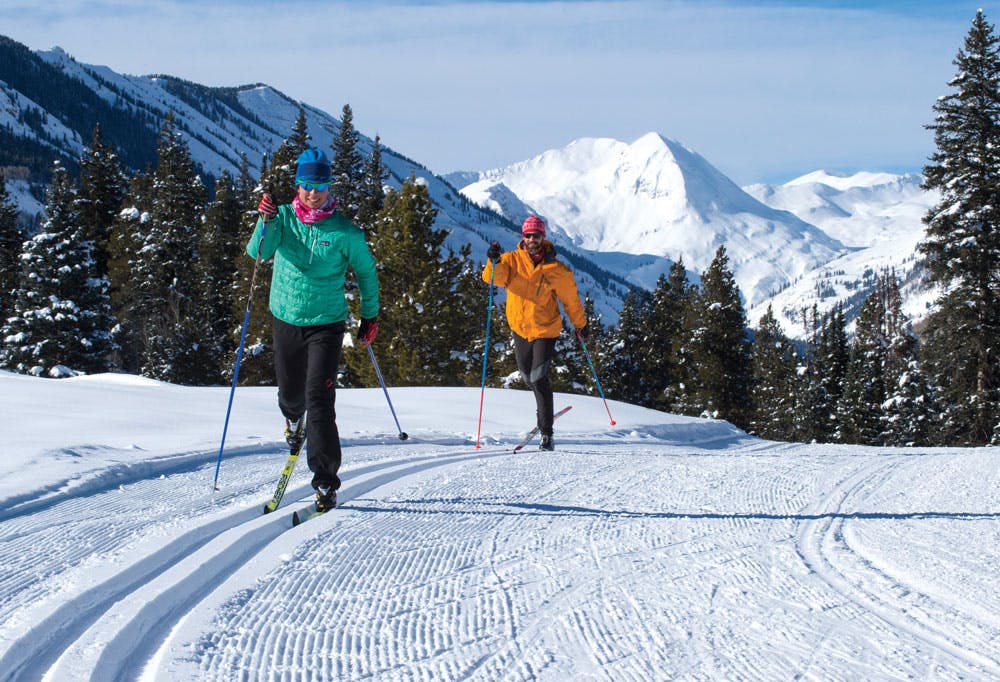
<point x="825" y="547"/>
<point x="137" y="604"/>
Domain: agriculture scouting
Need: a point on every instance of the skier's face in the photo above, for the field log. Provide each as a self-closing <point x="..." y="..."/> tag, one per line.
<point x="313" y="198"/>
<point x="533" y="242"/>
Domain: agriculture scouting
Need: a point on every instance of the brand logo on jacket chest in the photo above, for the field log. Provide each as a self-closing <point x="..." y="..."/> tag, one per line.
<point x="324" y="243"/>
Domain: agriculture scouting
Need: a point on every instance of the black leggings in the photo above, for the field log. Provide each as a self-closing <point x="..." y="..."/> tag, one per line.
<point x="533" y="361"/>
<point x="305" y="363"/>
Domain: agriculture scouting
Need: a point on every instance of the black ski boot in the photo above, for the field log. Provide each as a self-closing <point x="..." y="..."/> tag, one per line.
<point x="326" y="499"/>
<point x="547" y="443"/>
<point x="295" y="433"/>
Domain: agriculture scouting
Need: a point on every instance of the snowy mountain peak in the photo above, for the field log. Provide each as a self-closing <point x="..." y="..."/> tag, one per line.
<point x="655" y="196"/>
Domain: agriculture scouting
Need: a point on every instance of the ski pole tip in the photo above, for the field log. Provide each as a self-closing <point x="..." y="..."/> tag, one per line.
<point x="613" y="422"/>
<point x="403" y="435"/>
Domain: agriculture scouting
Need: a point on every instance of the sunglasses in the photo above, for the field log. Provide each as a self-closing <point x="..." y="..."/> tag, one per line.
<point x="533" y="235"/>
<point x="318" y="186"/>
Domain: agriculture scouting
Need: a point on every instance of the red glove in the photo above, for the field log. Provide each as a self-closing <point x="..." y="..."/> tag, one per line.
<point x="266" y="207"/>
<point x="368" y="331"/>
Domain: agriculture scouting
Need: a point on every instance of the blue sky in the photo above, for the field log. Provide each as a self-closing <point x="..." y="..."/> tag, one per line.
<point x="766" y="91"/>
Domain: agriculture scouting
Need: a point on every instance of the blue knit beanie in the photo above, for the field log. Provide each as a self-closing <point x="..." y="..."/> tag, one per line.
<point x="312" y="166"/>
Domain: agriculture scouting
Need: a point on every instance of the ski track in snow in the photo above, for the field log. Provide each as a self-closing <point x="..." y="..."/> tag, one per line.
<point x="762" y="561"/>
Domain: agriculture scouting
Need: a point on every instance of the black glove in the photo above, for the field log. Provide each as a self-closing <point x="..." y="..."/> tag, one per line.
<point x="493" y="253"/>
<point x="583" y="331"/>
<point x="368" y="331"/>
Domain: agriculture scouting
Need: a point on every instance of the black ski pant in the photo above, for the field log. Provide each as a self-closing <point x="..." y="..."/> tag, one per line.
<point x="305" y="364"/>
<point x="533" y="361"/>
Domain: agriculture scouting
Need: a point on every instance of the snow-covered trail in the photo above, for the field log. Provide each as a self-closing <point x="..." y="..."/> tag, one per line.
<point x="636" y="560"/>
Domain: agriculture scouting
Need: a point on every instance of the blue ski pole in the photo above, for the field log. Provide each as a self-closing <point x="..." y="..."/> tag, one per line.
<point x="402" y="434"/>
<point x="239" y="351"/>
<point x="486" y="351"/>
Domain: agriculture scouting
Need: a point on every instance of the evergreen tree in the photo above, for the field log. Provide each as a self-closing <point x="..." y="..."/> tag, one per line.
<point x="623" y="352"/>
<point x="720" y="347"/>
<point x="774" y="381"/>
<point x="962" y="244"/>
<point x="102" y="189"/>
<point x="218" y="249"/>
<point x="860" y="411"/>
<point x="822" y="375"/>
<point x="166" y="292"/>
<point x="372" y="194"/>
<point x="347" y="166"/>
<point x="670" y="308"/>
<point x="62" y="316"/>
<point x="124" y="251"/>
<point x="424" y="318"/>
<point x="11" y="243"/>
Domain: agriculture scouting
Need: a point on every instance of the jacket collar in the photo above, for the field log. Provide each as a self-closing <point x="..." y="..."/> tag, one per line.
<point x="548" y="251"/>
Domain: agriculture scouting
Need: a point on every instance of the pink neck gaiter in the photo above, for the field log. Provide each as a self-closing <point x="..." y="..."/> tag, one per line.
<point x="314" y="215"/>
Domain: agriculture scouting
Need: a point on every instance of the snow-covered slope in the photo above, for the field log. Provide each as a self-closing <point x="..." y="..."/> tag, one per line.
<point x="878" y="215"/>
<point x="665" y="547"/>
<point x="656" y="197"/>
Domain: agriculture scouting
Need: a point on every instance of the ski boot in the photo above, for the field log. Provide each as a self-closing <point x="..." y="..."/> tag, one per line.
<point x="295" y="434"/>
<point x="326" y="499"/>
<point x="547" y="443"/>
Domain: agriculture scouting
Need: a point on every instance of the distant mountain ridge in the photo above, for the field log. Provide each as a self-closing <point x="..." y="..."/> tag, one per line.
<point x="620" y="213"/>
<point x="49" y="104"/>
<point x="656" y="197"/>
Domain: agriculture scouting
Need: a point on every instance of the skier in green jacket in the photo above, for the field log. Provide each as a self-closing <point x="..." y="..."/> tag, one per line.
<point x="313" y="245"/>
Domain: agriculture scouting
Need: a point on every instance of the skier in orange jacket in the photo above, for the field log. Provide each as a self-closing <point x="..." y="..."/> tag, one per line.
<point x="536" y="283"/>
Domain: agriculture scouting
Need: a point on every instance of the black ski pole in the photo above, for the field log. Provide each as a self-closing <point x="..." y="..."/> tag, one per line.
<point x="402" y="434"/>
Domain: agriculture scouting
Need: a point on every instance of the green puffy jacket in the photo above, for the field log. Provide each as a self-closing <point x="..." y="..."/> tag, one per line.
<point x="310" y="261"/>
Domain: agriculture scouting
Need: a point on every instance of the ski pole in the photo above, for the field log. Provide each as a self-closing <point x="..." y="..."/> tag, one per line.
<point x="598" y="381"/>
<point x="486" y="351"/>
<point x="239" y="351"/>
<point x="402" y="434"/>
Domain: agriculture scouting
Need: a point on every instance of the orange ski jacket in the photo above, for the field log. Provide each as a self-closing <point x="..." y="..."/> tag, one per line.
<point x="535" y="291"/>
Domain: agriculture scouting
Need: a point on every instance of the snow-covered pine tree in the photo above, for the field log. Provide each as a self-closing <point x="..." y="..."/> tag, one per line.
<point x="347" y="165"/>
<point x="219" y="247"/>
<point x="667" y="334"/>
<point x="962" y="243"/>
<point x="102" y="189"/>
<point x="720" y="347"/>
<point x="124" y="244"/>
<point x="424" y="321"/>
<point x="11" y="243"/>
<point x="171" y="332"/>
<point x="61" y="319"/>
<point x="774" y="382"/>
<point x="860" y="419"/>
<point x="623" y="351"/>
<point x="822" y="373"/>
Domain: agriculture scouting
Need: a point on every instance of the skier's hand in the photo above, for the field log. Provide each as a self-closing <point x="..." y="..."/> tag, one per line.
<point x="583" y="331"/>
<point x="368" y="331"/>
<point x="493" y="253"/>
<point x="266" y="207"/>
